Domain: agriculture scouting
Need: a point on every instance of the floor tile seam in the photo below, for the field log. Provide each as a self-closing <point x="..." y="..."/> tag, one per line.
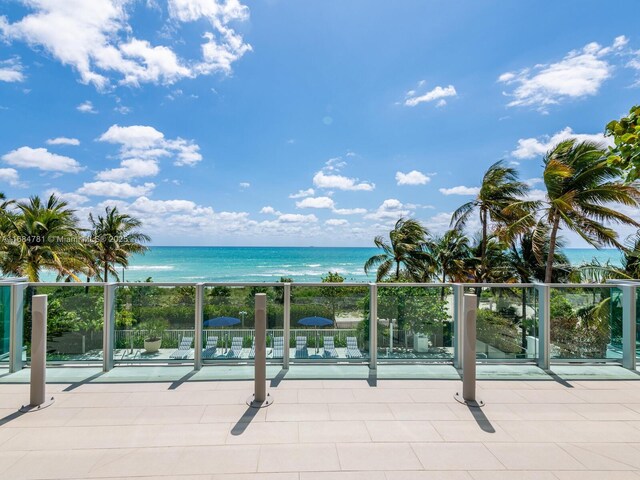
<point x="414" y="444"/>
<point x="579" y="445"/>
<point x="15" y="461"/>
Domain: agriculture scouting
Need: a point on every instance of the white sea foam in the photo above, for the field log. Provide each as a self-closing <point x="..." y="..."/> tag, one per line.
<point x="143" y="268"/>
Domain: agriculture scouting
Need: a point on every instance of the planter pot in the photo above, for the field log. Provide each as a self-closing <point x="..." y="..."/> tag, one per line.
<point x="152" y="346"/>
<point x="420" y="343"/>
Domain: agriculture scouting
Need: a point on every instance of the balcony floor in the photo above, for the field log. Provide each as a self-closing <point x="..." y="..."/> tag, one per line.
<point x="159" y="422"/>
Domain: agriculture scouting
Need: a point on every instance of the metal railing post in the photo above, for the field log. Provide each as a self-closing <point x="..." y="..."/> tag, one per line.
<point x="544" y="326"/>
<point x="199" y="316"/>
<point x="109" y="326"/>
<point x="16" y="343"/>
<point x="373" y="326"/>
<point x="286" y="325"/>
<point x="458" y="325"/>
<point x="629" y="295"/>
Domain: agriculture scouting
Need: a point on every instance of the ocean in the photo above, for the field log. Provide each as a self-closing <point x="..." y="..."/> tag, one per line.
<point x="268" y="264"/>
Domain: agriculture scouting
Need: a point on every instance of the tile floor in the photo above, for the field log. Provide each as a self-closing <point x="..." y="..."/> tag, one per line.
<point x="581" y="423"/>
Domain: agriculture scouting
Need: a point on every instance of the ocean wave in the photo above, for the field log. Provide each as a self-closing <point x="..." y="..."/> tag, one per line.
<point x="310" y="265"/>
<point x="143" y="268"/>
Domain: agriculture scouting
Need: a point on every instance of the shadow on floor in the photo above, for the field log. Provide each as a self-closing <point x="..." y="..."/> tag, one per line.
<point x="84" y="381"/>
<point x="275" y="381"/>
<point x="556" y="378"/>
<point x="10" y="417"/>
<point x="245" y="420"/>
<point x="481" y="419"/>
<point x="182" y="380"/>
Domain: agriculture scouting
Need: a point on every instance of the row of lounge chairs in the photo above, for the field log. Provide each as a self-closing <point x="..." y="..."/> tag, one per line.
<point x="185" y="349"/>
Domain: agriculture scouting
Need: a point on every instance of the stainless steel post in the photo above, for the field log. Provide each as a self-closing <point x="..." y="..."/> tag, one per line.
<point x="286" y="326"/>
<point x="629" y="295"/>
<point x="468" y="396"/>
<point x="109" y="326"/>
<point x="17" y="327"/>
<point x="458" y="325"/>
<point x="544" y="326"/>
<point x="197" y="352"/>
<point x="260" y="398"/>
<point x="373" y="326"/>
<point x="38" y="398"/>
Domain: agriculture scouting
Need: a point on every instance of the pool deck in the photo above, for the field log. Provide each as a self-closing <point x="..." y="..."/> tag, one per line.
<point x="399" y="423"/>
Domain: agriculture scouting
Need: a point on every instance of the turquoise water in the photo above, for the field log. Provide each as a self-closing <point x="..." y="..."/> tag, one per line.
<point x="268" y="264"/>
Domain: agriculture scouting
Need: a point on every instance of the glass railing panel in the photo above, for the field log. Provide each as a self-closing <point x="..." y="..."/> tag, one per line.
<point x="329" y="323"/>
<point x="228" y="330"/>
<point x="586" y="323"/>
<point x="415" y="323"/>
<point x="74" y="322"/>
<point x="506" y="322"/>
<point x="5" y="322"/>
<point x="154" y="323"/>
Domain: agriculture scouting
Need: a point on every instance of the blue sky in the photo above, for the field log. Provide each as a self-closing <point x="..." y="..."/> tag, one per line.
<point x="298" y="123"/>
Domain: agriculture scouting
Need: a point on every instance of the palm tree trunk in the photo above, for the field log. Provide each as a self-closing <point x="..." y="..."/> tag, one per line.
<point x="552" y="247"/>
<point x="106" y="272"/>
<point x="397" y="270"/>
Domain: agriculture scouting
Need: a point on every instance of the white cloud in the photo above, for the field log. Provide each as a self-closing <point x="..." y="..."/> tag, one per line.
<point x="303" y="193"/>
<point x="349" y="211"/>
<point x="115" y="189"/>
<point x="73" y="199"/>
<point x="41" y="158"/>
<point x="97" y="40"/>
<point x="244" y="185"/>
<point x="11" y="70"/>
<point x="297" y="218"/>
<point x="10" y="176"/>
<point x="316" y="202"/>
<point x="86" y="107"/>
<point x="131" y="168"/>
<point x="336" y="222"/>
<point x="63" y="141"/>
<point x="339" y="182"/>
<point x="269" y="210"/>
<point x="142" y="147"/>
<point x="334" y="165"/>
<point x="535" y="147"/>
<point x="460" y="190"/>
<point x="580" y="73"/>
<point x="414" y="177"/>
<point x="412" y="99"/>
<point x="537" y="194"/>
<point x="390" y="209"/>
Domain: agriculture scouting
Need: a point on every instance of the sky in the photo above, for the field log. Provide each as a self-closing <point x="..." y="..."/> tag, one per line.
<point x="315" y="123"/>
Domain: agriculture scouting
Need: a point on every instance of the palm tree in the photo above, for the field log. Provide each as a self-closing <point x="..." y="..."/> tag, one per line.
<point x="527" y="262"/>
<point x="501" y="200"/>
<point x="42" y="236"/>
<point x="406" y="245"/>
<point x="582" y="193"/>
<point x="596" y="271"/>
<point x="115" y="236"/>
<point x="450" y="252"/>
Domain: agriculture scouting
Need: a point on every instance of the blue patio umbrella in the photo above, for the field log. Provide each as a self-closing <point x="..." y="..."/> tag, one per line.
<point x="221" y="322"/>
<point x="315" y="322"/>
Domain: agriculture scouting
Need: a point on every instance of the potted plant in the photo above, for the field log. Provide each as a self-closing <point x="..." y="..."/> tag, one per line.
<point x="153" y="338"/>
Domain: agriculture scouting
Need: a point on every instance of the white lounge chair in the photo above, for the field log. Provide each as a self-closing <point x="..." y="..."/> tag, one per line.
<point x="211" y="347"/>
<point x="184" y="349"/>
<point x="352" y="348"/>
